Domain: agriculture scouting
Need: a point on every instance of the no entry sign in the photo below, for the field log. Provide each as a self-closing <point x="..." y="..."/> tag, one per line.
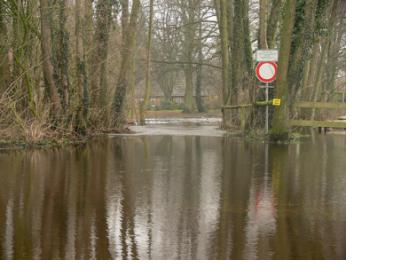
<point x="266" y="71"/>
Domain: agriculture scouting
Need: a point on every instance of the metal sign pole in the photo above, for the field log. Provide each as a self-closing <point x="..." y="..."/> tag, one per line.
<point x="266" y="108"/>
<point x="266" y="73"/>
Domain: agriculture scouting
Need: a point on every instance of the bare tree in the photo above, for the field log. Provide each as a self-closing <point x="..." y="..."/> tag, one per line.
<point x="121" y="87"/>
<point x="147" y="88"/>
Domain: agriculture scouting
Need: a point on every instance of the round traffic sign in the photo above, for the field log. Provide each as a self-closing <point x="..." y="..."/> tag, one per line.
<point x="266" y="71"/>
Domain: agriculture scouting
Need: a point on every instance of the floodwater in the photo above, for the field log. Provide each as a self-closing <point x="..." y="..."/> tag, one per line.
<point x="175" y="197"/>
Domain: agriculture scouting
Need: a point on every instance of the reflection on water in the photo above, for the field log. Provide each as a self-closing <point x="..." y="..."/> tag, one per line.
<point x="175" y="197"/>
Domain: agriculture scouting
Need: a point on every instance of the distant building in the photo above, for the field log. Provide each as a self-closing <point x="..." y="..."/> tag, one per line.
<point x="209" y="95"/>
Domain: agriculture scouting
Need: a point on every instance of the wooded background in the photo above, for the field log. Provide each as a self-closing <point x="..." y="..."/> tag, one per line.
<point x="71" y="68"/>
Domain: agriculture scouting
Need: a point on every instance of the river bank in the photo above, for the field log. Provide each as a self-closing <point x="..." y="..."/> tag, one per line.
<point x="165" y="122"/>
<point x="49" y="138"/>
<point x="43" y="136"/>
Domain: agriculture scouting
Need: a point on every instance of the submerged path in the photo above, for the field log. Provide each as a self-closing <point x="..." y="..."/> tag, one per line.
<point x="201" y="126"/>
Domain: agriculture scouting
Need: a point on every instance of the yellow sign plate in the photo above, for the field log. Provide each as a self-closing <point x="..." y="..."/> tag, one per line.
<point x="276" y="102"/>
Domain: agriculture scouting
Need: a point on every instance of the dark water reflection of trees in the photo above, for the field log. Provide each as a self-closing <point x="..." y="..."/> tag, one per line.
<point x="174" y="197"/>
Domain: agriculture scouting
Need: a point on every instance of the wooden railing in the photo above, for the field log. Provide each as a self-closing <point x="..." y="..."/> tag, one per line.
<point x="320" y="105"/>
<point x="340" y="123"/>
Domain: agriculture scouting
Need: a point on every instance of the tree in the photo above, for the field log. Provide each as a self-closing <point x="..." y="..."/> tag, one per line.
<point x="263" y="24"/>
<point x="280" y="126"/>
<point x="99" y="73"/>
<point x="302" y="45"/>
<point x="62" y="56"/>
<point x="147" y="88"/>
<point x="273" y="21"/>
<point x="188" y="9"/>
<point x="237" y="51"/>
<point x="4" y="61"/>
<point x="48" y="68"/>
<point x="121" y="87"/>
<point x="82" y="112"/>
<point x="167" y="38"/>
<point x="222" y="14"/>
<point x="198" y="85"/>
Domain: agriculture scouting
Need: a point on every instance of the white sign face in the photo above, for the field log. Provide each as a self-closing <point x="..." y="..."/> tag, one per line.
<point x="267" y="71"/>
<point x="266" y="55"/>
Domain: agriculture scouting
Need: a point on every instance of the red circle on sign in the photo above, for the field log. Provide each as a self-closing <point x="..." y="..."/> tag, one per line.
<point x="266" y="71"/>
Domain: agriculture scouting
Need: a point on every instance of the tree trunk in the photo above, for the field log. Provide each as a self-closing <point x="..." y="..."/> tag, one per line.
<point x="87" y="36"/>
<point x="189" y="88"/>
<point x="121" y="87"/>
<point x="263" y="24"/>
<point x="4" y="61"/>
<point x="198" y="85"/>
<point x="303" y="46"/>
<point x="337" y="33"/>
<point x="224" y="36"/>
<point x="22" y="56"/>
<point x="247" y="40"/>
<point x="280" y="120"/>
<point x="48" y="69"/>
<point x="81" y="75"/>
<point x="324" y="42"/>
<point x="188" y="19"/>
<point x="273" y="21"/>
<point x="318" y="78"/>
<point x="124" y="18"/>
<point x="62" y="59"/>
<point x="78" y="48"/>
<point x="99" y="71"/>
<point x="237" y="53"/>
<point x="147" y="89"/>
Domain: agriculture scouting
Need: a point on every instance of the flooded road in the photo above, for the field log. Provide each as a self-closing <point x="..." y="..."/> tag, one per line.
<point x="175" y="197"/>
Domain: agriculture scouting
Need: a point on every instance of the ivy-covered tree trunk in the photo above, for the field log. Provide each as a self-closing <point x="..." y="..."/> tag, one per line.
<point x="237" y="52"/>
<point x="81" y="73"/>
<point x="280" y="119"/>
<point x="99" y="72"/>
<point x="303" y="44"/>
<point x="247" y="43"/>
<point x="302" y="47"/>
<point x="22" y="56"/>
<point x="4" y="63"/>
<point x="48" y="68"/>
<point x="324" y="41"/>
<point x="62" y="56"/>
<point x="124" y="18"/>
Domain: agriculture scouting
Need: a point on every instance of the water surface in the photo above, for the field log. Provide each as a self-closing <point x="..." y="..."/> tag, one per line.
<point x="175" y="197"/>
